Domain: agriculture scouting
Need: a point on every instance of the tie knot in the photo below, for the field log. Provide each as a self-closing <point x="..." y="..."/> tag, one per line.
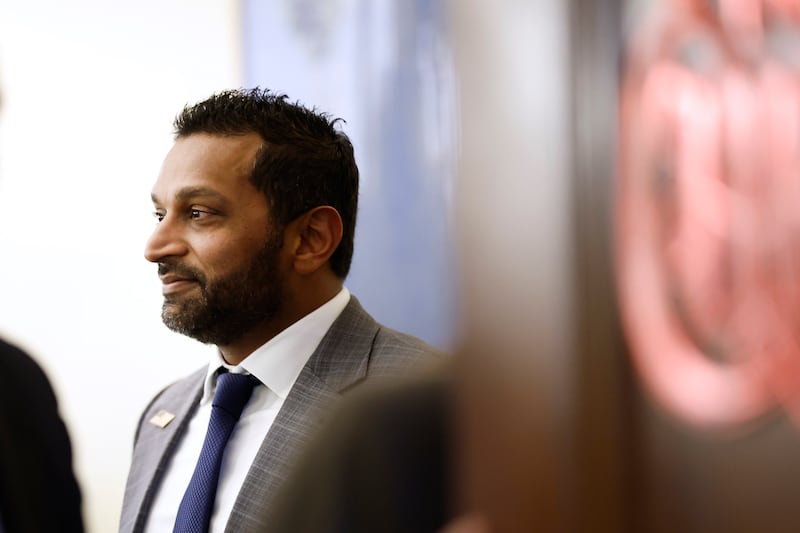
<point x="233" y="391"/>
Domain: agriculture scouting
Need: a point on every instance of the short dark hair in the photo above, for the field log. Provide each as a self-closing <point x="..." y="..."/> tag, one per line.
<point x="306" y="161"/>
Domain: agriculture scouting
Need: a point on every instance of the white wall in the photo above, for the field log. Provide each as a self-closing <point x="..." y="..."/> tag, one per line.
<point x="90" y="88"/>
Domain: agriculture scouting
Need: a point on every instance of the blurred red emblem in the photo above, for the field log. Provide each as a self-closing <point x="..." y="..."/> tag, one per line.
<point x="708" y="208"/>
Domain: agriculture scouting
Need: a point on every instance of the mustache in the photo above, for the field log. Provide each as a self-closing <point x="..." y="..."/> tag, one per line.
<point x="181" y="270"/>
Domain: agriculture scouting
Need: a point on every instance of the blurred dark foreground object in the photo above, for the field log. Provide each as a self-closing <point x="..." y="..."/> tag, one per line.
<point x="38" y="490"/>
<point x="379" y="464"/>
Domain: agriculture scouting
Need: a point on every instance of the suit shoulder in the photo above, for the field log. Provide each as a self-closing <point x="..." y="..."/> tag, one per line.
<point x="179" y="387"/>
<point x="391" y="339"/>
<point x="393" y="349"/>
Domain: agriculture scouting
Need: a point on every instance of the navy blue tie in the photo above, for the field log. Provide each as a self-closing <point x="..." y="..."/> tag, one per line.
<point x="194" y="513"/>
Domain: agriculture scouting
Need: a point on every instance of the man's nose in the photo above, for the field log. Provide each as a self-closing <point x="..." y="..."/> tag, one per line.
<point x="165" y="241"/>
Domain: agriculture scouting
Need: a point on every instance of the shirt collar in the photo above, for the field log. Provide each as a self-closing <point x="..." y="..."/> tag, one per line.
<point x="279" y="361"/>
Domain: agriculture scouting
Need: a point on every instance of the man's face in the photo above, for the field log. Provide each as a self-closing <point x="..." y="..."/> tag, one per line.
<point x="218" y="256"/>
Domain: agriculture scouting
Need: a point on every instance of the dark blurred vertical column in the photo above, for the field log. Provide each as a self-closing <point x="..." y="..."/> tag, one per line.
<point x="521" y="394"/>
<point x="549" y="410"/>
<point x="604" y="429"/>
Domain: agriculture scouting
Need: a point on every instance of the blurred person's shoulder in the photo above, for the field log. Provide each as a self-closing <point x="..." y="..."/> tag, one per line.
<point x="20" y="370"/>
<point x="380" y="461"/>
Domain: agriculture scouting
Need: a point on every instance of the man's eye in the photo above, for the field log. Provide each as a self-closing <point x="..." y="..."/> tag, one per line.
<point x="200" y="213"/>
<point x="159" y="216"/>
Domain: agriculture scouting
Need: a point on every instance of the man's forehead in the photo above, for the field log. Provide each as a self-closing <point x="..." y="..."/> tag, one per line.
<point x="203" y="152"/>
<point x="219" y="144"/>
<point x="192" y="191"/>
<point x="207" y="165"/>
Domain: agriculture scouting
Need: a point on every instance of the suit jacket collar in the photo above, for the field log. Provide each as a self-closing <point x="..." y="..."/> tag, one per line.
<point x="154" y="446"/>
<point x="340" y="361"/>
<point x="342" y="357"/>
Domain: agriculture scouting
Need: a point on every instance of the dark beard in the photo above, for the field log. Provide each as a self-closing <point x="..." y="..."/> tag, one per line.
<point x="228" y="307"/>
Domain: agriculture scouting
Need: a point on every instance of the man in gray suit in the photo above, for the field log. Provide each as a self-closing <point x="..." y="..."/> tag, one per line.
<point x="256" y="207"/>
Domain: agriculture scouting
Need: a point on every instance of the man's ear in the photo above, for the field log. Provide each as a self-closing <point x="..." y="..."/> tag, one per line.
<point x="320" y="232"/>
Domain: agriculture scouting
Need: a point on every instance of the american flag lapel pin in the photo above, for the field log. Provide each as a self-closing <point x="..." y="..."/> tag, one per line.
<point x="162" y="418"/>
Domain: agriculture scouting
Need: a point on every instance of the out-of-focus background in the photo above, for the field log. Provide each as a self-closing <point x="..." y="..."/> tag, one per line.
<point x="89" y="89"/>
<point x="590" y="202"/>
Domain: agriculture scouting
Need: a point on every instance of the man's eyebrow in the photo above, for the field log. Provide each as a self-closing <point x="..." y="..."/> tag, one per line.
<point x="193" y="192"/>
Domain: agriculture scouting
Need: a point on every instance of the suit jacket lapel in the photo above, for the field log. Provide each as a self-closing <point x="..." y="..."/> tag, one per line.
<point x="155" y="445"/>
<point x="340" y="361"/>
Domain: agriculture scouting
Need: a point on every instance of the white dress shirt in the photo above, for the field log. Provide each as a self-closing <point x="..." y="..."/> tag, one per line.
<point x="276" y="364"/>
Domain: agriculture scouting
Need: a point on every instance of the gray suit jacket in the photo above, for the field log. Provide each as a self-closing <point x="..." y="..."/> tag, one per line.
<point x="355" y="348"/>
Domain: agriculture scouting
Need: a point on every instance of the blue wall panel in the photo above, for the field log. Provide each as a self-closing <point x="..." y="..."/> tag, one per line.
<point x="385" y="67"/>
